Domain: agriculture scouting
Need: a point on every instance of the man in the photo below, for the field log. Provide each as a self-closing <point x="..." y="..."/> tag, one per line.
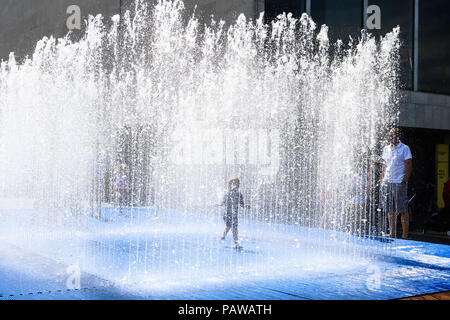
<point x="397" y="170"/>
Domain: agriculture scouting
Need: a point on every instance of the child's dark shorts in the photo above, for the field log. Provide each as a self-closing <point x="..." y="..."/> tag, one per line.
<point x="230" y="220"/>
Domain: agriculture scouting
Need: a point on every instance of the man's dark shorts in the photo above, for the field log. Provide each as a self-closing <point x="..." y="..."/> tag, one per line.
<point x="395" y="197"/>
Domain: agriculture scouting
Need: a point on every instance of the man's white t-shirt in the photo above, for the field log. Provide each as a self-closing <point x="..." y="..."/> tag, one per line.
<point x="394" y="159"/>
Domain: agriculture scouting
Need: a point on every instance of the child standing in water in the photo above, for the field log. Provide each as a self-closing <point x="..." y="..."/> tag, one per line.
<point x="232" y="200"/>
<point x="121" y="187"/>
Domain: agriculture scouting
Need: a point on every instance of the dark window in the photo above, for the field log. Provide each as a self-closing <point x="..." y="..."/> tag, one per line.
<point x="343" y="18"/>
<point x="399" y="13"/>
<point x="434" y="46"/>
<point x="272" y="8"/>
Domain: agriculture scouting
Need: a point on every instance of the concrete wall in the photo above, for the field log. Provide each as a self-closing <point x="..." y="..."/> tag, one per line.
<point x="24" y="22"/>
<point x="425" y="110"/>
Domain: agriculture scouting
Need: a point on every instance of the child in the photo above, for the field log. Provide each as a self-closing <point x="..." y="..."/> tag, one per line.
<point x="232" y="200"/>
<point x="121" y="187"/>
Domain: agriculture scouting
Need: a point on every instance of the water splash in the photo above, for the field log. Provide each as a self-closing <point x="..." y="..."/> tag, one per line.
<point x="175" y="108"/>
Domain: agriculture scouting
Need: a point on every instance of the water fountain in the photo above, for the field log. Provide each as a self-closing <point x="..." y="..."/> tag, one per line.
<point x="174" y="108"/>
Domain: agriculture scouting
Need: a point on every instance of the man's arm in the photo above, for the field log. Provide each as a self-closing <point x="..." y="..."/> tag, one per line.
<point x="409" y="168"/>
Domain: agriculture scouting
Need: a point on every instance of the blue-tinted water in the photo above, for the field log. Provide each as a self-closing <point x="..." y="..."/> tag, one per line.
<point x="182" y="257"/>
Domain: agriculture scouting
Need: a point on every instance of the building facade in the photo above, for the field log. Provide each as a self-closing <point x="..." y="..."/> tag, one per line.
<point x="425" y="55"/>
<point x="425" y="76"/>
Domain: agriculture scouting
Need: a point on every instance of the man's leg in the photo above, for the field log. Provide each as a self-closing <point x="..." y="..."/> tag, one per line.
<point x="392" y="217"/>
<point x="405" y="224"/>
<point x="392" y="205"/>
<point x="403" y="208"/>
<point x="387" y="204"/>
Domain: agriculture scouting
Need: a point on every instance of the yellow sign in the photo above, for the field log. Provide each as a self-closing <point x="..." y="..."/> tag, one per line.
<point x="442" y="171"/>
